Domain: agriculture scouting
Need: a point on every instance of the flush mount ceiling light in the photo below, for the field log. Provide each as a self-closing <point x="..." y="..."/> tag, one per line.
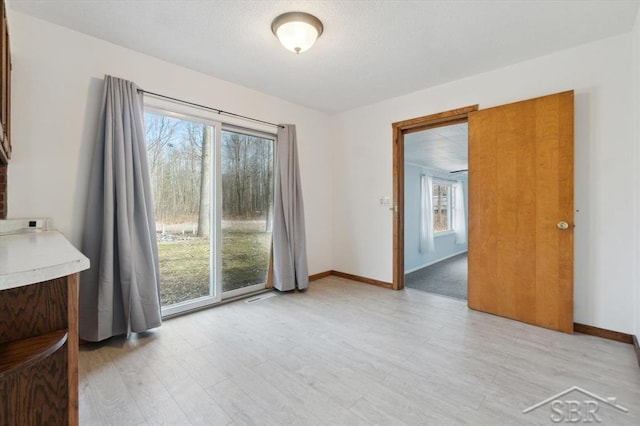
<point x="297" y="31"/>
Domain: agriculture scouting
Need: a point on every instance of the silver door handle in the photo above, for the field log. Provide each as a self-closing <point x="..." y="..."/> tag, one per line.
<point x="563" y="226"/>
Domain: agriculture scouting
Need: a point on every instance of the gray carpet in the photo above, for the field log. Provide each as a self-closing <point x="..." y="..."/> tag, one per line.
<point x="447" y="278"/>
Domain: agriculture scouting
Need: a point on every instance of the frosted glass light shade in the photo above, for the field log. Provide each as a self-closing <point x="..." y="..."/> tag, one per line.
<point x="297" y="31"/>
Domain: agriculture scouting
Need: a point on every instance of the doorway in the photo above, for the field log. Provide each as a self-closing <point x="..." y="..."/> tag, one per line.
<point x="521" y="207"/>
<point x="435" y="210"/>
<point x="401" y="130"/>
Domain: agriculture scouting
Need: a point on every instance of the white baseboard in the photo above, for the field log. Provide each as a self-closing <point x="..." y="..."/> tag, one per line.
<point x="434" y="262"/>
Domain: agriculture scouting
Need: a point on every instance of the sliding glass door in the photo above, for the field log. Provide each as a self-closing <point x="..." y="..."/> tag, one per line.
<point x="213" y="197"/>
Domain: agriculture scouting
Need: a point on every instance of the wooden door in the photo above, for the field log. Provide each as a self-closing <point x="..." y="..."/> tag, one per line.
<point x="520" y="196"/>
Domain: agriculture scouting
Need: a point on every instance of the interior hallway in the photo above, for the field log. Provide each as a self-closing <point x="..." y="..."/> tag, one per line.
<point x="446" y="278"/>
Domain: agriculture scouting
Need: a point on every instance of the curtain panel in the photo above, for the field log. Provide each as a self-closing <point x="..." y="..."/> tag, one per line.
<point x="459" y="220"/>
<point x="426" y="242"/>
<point x="120" y="293"/>
<point x="289" y="239"/>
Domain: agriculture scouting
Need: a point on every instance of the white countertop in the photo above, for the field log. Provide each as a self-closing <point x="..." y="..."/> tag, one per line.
<point x="36" y="256"/>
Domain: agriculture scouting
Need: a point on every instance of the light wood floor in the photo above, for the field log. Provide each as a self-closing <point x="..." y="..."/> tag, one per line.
<point x="349" y="353"/>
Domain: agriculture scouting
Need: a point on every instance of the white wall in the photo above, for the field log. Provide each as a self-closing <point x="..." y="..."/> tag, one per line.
<point x="605" y="252"/>
<point x="57" y="89"/>
<point x="444" y="244"/>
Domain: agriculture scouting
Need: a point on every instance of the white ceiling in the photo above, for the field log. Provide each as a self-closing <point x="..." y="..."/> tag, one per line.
<point x="441" y="148"/>
<point x="370" y="50"/>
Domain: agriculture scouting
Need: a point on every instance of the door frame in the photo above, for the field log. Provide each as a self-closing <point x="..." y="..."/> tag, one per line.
<point x="401" y="128"/>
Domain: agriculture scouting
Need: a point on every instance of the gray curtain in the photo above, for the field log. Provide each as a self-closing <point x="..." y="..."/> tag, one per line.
<point x="289" y="241"/>
<point x="120" y="293"/>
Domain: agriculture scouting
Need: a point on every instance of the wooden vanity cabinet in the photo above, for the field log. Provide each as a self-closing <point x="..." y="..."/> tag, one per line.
<point x="39" y="353"/>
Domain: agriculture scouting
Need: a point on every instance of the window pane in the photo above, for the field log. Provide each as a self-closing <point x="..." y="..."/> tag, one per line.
<point x="441" y="207"/>
<point x="179" y="165"/>
<point x="247" y="205"/>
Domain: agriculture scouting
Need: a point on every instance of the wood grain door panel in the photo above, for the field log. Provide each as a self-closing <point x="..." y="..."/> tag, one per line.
<point x="520" y="187"/>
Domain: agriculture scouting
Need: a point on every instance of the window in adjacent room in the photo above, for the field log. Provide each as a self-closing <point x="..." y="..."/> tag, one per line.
<point x="443" y="196"/>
